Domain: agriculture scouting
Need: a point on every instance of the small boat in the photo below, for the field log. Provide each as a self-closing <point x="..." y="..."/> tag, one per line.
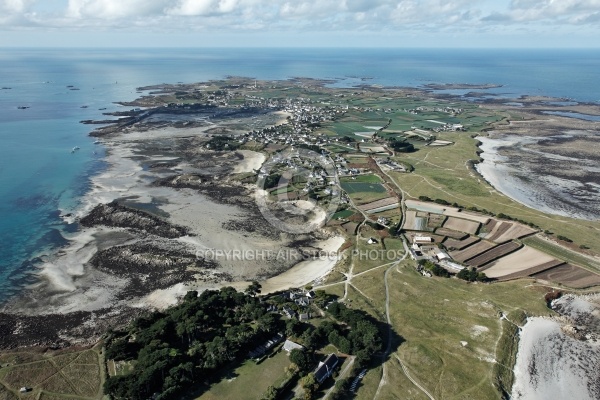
<point x="75" y="149"/>
<point x="97" y="142"/>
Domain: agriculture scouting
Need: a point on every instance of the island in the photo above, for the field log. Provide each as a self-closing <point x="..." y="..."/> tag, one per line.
<point x="289" y="239"/>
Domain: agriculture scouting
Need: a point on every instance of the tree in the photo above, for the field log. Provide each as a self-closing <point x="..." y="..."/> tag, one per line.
<point x="118" y="386"/>
<point x="121" y="349"/>
<point x="267" y="323"/>
<point x="293" y="327"/>
<point x="253" y="289"/>
<point x="310" y="385"/>
<point x="271" y="181"/>
<point x="302" y="359"/>
<point x="271" y="393"/>
<point x="471" y="275"/>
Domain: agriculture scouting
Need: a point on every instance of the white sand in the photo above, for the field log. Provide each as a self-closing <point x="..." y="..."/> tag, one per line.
<point x="253" y="160"/>
<point x="163" y="298"/>
<point x="306" y="271"/>
<point x="282" y="117"/>
<point x="74" y="285"/>
<point x="551" y="365"/>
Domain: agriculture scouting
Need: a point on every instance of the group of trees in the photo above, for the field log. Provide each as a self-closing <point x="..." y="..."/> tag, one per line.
<point x="435" y="269"/>
<point x="272" y="181"/>
<point x="220" y="143"/>
<point x="363" y="339"/>
<point x="355" y="332"/>
<point x="401" y="145"/>
<point x="188" y="342"/>
<point x="471" y="275"/>
<point x="438" y="201"/>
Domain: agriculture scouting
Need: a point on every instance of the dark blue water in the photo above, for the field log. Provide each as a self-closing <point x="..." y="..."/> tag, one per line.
<point x="40" y="177"/>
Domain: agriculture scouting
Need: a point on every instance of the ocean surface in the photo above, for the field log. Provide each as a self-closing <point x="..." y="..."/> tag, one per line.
<point x="41" y="178"/>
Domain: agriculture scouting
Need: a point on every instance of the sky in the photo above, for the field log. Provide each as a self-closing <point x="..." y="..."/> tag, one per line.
<point x="301" y="23"/>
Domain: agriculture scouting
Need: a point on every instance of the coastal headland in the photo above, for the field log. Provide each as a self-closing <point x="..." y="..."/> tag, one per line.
<point x="297" y="184"/>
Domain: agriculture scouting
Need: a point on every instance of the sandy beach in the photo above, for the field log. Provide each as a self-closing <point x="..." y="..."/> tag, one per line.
<point x="304" y="273"/>
<point x="308" y="271"/>
<point x="253" y="160"/>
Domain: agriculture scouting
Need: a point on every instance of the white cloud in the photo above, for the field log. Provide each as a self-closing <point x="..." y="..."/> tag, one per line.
<point x="15" y="6"/>
<point x="556" y="12"/>
<point x="114" y="9"/>
<point x="380" y="17"/>
<point x="202" y="7"/>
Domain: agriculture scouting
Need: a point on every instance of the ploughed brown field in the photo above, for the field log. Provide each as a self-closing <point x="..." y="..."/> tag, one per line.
<point x="379" y="203"/>
<point x="462" y="225"/>
<point x="493" y="254"/>
<point x="522" y="262"/>
<point x="471" y="251"/>
<point x="461" y="244"/>
<point x="501" y="232"/>
<point x="451" y="234"/>
<point x="570" y="275"/>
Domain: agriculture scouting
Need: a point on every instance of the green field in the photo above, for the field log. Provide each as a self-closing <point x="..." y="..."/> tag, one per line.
<point x="362" y="187"/>
<point x="342" y="214"/>
<point x="59" y="375"/>
<point x="369" y="178"/>
<point x="250" y="380"/>
<point x="433" y="315"/>
<point x="562" y="253"/>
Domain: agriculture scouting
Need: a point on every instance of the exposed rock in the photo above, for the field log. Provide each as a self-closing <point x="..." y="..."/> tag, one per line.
<point x="119" y="216"/>
<point x="59" y="330"/>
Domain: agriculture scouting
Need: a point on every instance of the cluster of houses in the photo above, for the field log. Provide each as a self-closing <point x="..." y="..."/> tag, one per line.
<point x="383" y="221"/>
<point x="423" y="248"/>
<point x="453" y="111"/>
<point x="449" y="128"/>
<point x="302" y="299"/>
<point x="341" y="165"/>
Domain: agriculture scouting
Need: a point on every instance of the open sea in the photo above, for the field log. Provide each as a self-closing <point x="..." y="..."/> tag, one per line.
<point x="40" y="178"/>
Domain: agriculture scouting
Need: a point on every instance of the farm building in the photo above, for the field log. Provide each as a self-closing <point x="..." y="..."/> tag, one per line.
<point x="289" y="346"/>
<point x="326" y="368"/>
<point x="422" y="239"/>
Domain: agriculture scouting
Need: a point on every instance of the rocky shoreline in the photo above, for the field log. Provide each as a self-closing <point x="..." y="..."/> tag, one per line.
<point x="164" y="199"/>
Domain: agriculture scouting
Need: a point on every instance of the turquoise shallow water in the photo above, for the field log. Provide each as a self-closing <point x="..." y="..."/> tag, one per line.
<point x="40" y="177"/>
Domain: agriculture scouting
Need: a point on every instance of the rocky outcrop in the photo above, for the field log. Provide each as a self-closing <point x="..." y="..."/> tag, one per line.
<point x="56" y="331"/>
<point x="119" y="216"/>
<point x="147" y="257"/>
<point x="184" y="181"/>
